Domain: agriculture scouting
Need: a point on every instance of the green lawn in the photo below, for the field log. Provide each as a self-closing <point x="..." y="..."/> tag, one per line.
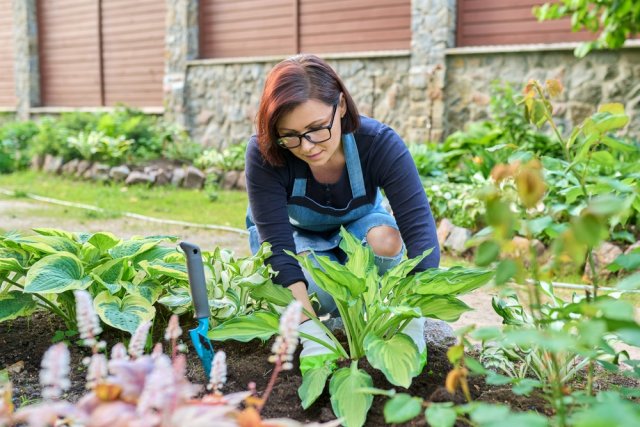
<point x="227" y="209"/>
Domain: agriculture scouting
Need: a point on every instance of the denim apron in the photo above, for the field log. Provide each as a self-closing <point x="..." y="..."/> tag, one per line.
<point x="319" y="230"/>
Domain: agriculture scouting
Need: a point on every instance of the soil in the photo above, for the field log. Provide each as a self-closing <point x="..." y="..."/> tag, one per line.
<point x="24" y="341"/>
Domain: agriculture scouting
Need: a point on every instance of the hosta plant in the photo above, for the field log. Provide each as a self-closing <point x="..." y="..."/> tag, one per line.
<point x="375" y="309"/>
<point x="126" y="278"/>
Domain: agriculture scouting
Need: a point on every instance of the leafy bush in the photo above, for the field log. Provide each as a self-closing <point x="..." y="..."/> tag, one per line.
<point x="229" y="159"/>
<point x="14" y="138"/>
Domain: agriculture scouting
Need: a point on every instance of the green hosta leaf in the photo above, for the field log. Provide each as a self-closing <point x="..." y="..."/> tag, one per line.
<point x="275" y="294"/>
<point x="340" y="273"/>
<point x="402" y="408"/>
<point x="313" y="382"/>
<point x="13" y="260"/>
<point x="360" y="258"/>
<point x="262" y="325"/>
<point x="109" y="275"/>
<point x="177" y="299"/>
<point x="443" y="307"/>
<point x="401" y="270"/>
<point x="48" y="244"/>
<point x="133" y="248"/>
<point x="55" y="274"/>
<point x="125" y="314"/>
<point x="397" y="357"/>
<point x="347" y="403"/>
<point x="441" y="415"/>
<point x="454" y="281"/>
<point x="149" y="290"/>
<point x="158" y="253"/>
<point x="14" y="304"/>
<point x="160" y="268"/>
<point x="103" y="241"/>
<point x="55" y="232"/>
<point x="325" y="281"/>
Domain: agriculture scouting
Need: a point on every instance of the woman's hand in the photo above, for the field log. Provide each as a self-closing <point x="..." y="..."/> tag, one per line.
<point x="299" y="291"/>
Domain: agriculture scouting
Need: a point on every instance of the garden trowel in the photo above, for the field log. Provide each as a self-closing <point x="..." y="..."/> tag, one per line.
<point x="200" y="298"/>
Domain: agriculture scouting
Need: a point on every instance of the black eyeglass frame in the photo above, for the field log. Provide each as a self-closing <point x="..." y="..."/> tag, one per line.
<point x="306" y="134"/>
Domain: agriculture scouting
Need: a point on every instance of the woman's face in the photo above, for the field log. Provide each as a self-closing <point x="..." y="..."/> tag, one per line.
<point x="310" y="118"/>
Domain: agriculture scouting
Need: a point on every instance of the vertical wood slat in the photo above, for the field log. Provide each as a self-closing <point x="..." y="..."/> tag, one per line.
<point x="246" y="28"/>
<point x="133" y="38"/>
<point x="69" y="54"/>
<point x="7" y="79"/>
<point x="502" y="22"/>
<point x="354" y="25"/>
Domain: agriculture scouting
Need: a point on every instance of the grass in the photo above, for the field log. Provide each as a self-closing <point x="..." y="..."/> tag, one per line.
<point x="227" y="208"/>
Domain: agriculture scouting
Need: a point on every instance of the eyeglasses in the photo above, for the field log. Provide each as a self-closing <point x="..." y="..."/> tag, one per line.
<point x="314" y="136"/>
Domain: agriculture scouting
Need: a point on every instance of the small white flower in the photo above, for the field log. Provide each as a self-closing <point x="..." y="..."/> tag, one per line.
<point x="97" y="370"/>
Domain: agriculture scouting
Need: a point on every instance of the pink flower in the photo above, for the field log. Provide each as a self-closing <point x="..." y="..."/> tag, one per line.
<point x="173" y="331"/>
<point x="88" y="321"/>
<point x="44" y="414"/>
<point x="54" y="375"/>
<point x="286" y="343"/>
<point x="97" y="370"/>
<point x="119" y="351"/>
<point x="139" y="339"/>
<point x="218" y="371"/>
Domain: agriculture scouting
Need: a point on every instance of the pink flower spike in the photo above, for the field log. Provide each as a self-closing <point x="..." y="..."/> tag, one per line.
<point x="88" y="321"/>
<point x="285" y="344"/>
<point x="173" y="331"/>
<point x="119" y="351"/>
<point x="218" y="371"/>
<point x="157" y="350"/>
<point x="139" y="339"/>
<point x="97" y="370"/>
<point x="54" y="375"/>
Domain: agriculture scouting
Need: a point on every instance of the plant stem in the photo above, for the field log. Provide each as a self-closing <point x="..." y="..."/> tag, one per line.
<point x="272" y="382"/>
<point x="557" y="391"/>
<point x="49" y="305"/>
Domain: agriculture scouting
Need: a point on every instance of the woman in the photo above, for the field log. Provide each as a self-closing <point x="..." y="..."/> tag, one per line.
<point x="315" y="165"/>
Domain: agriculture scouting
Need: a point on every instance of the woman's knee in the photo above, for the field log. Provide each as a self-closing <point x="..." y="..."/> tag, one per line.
<point x="384" y="240"/>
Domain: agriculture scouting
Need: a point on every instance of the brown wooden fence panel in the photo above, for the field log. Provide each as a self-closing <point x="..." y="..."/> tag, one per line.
<point x="500" y="22"/>
<point x="354" y="25"/>
<point x="69" y="53"/>
<point x="7" y="80"/>
<point x="236" y="28"/>
<point x="133" y="51"/>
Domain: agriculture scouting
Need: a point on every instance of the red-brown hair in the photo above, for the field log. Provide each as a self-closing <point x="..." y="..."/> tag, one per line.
<point x="291" y="83"/>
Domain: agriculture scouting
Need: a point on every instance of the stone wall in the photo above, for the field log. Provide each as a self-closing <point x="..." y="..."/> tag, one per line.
<point x="222" y="98"/>
<point x="601" y="77"/>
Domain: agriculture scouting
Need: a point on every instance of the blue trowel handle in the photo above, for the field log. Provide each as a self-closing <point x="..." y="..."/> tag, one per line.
<point x="197" y="281"/>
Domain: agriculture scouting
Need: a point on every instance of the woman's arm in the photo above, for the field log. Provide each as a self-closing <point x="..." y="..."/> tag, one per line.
<point x="399" y="178"/>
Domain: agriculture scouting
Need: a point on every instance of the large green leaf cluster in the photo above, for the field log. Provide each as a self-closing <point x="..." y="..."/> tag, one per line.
<point x="126" y="278"/>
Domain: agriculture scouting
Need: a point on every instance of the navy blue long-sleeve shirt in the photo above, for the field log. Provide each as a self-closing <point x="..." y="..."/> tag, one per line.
<point x="386" y="164"/>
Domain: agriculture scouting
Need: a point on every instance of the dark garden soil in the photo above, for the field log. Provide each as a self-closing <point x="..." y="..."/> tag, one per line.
<point x="24" y="341"/>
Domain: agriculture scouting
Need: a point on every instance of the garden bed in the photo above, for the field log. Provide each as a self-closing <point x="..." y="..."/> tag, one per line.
<point x="24" y="341"/>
